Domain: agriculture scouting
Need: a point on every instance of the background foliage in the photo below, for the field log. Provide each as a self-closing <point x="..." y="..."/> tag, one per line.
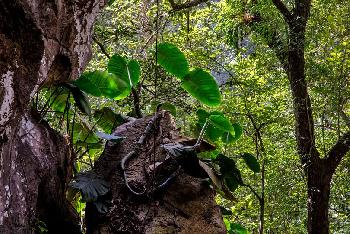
<point x="216" y="37"/>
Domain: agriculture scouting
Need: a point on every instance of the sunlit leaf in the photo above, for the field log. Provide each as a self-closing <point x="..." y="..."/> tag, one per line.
<point x="134" y="71"/>
<point x="172" y="60"/>
<point x="221" y="122"/>
<point x="227" y="137"/>
<point x="201" y="85"/>
<point x="102" y="83"/>
<point x="118" y="66"/>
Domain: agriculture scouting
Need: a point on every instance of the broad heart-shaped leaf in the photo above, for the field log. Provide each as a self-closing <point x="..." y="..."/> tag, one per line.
<point x="251" y="162"/>
<point x="90" y="185"/>
<point x="172" y="60"/>
<point x="222" y="123"/>
<point x="110" y="137"/>
<point x="228" y="168"/>
<point x="108" y="120"/>
<point x="212" y="133"/>
<point x="134" y="71"/>
<point x="202" y="115"/>
<point x="118" y="66"/>
<point x="102" y="83"/>
<point x="227" y="137"/>
<point x="201" y="85"/>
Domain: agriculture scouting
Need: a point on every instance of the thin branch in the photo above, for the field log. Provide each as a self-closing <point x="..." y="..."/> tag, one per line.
<point x="253" y="191"/>
<point x="103" y="49"/>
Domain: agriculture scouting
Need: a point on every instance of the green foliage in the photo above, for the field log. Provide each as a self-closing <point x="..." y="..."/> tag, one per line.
<point x="251" y="162"/>
<point x="134" y="71"/>
<point x="107" y="120"/>
<point x="102" y="83"/>
<point x="81" y="100"/>
<point x="219" y="126"/>
<point x="201" y="85"/>
<point x="221" y="123"/>
<point x="172" y="60"/>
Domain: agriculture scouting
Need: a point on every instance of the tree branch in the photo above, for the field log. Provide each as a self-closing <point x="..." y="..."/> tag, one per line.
<point x="188" y="4"/>
<point x="283" y="9"/>
<point x="337" y="152"/>
<point x="345" y="118"/>
<point x="103" y="50"/>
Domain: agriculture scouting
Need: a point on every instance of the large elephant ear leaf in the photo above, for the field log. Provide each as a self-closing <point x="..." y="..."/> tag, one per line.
<point x="134" y="71"/>
<point x="102" y="83"/>
<point x="221" y="122"/>
<point x="118" y="66"/>
<point x="201" y="85"/>
<point x="172" y="60"/>
<point x="90" y="185"/>
<point x="251" y="162"/>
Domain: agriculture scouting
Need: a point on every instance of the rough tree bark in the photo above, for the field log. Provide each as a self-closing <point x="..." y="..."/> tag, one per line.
<point x="41" y="42"/>
<point x="186" y="205"/>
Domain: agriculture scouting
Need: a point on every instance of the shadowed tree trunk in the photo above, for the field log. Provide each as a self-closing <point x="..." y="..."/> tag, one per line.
<point x="41" y="42"/>
<point x="185" y="205"/>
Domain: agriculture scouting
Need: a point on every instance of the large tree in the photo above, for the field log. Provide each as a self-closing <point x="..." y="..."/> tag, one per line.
<point x="291" y="53"/>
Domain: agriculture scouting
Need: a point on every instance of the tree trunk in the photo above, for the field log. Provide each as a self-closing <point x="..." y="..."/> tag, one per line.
<point x="319" y="181"/>
<point x="41" y="42"/>
<point x="185" y="205"/>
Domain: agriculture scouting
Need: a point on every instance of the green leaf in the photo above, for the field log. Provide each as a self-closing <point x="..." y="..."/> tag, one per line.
<point x="90" y="185"/>
<point x="81" y="100"/>
<point x="102" y="83"/>
<point x="134" y="71"/>
<point x="58" y="101"/>
<point x="108" y="120"/>
<point x="231" y="183"/>
<point x="201" y="85"/>
<point x="228" y="168"/>
<point x="236" y="228"/>
<point x="81" y="133"/>
<point x="213" y="133"/>
<point x="202" y="115"/>
<point x="118" y="66"/>
<point x="227" y="137"/>
<point x="110" y="137"/>
<point x="172" y="60"/>
<point x="251" y="162"/>
<point x="221" y="122"/>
